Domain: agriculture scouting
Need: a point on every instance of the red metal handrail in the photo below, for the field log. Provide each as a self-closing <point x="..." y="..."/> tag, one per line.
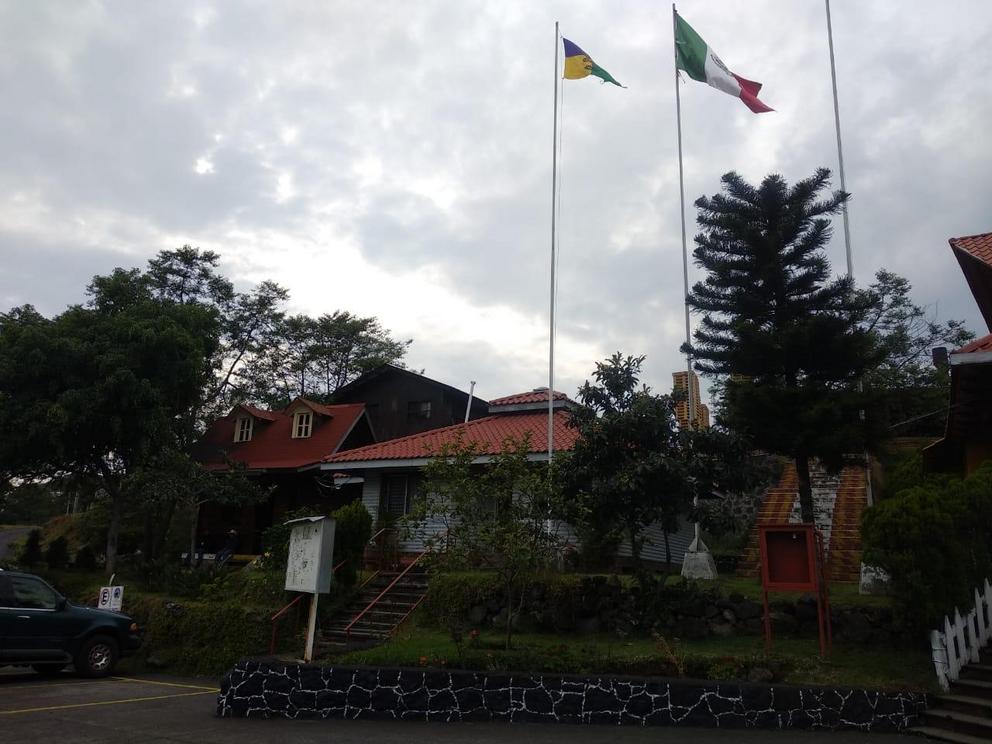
<point x="284" y="610"/>
<point x="360" y="615"/>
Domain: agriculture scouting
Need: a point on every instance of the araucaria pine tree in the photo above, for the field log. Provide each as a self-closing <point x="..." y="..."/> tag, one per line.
<point x="779" y="332"/>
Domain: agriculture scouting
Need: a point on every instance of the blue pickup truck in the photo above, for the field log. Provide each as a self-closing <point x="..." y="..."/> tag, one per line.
<point x="40" y="628"/>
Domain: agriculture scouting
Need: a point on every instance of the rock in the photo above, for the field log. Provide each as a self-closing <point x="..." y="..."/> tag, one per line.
<point x="746" y="610"/>
<point x="736" y="598"/>
<point x="587" y="625"/>
<point x="729" y="615"/>
<point x="722" y="630"/>
<point x="855" y="627"/>
<point x="760" y="675"/>
<point x="477" y="614"/>
<point x="783" y="622"/>
<point x="156" y="663"/>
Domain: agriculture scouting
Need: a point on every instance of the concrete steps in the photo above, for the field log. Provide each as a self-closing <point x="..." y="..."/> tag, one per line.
<point x="842" y="497"/>
<point x="380" y="620"/>
<point x="964" y="714"/>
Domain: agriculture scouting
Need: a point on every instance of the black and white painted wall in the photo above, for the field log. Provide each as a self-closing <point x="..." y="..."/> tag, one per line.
<point x="270" y="690"/>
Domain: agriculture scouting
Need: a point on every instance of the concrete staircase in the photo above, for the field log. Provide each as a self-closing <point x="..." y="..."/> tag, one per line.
<point x="382" y="619"/>
<point x="839" y="501"/>
<point x="963" y="715"/>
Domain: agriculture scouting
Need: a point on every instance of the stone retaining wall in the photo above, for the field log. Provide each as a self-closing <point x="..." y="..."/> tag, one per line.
<point x="286" y="690"/>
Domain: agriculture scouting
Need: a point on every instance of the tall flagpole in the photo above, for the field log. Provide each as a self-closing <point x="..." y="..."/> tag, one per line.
<point x="840" y="147"/>
<point x="697" y="563"/>
<point x="685" y="252"/>
<point x="554" y="196"/>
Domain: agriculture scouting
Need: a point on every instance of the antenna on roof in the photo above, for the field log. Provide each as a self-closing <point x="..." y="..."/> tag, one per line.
<point x="468" y="406"/>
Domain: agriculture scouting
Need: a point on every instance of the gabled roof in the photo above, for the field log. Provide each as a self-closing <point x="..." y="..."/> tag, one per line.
<point x="979" y="344"/>
<point x="257" y="412"/>
<point x="488" y="435"/>
<point x="385" y="369"/>
<point x="978" y="246"/>
<point x="272" y="445"/>
<point x="974" y="255"/>
<point x="534" y="396"/>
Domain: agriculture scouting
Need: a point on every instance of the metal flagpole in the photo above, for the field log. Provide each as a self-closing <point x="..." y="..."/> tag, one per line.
<point x="697" y="563"/>
<point x="685" y="252"/>
<point x="840" y="147"/>
<point x="554" y="195"/>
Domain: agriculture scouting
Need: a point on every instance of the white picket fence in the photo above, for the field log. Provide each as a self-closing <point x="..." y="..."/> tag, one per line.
<point x="958" y="645"/>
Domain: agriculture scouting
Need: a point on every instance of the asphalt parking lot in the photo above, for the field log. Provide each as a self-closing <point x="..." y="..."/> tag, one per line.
<point x="158" y="709"/>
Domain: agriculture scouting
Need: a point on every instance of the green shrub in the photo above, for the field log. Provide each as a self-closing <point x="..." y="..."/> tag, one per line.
<point x="353" y="528"/>
<point x="352" y="532"/>
<point x="57" y="553"/>
<point x="933" y="540"/>
<point x="85" y="559"/>
<point x="30" y="554"/>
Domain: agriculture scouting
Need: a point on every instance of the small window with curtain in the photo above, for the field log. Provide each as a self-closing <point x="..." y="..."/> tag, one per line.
<point x="242" y="429"/>
<point x="418" y="410"/>
<point x="399" y="493"/>
<point x="302" y="424"/>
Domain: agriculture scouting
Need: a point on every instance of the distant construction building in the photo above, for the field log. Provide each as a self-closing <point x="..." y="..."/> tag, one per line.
<point x="700" y="412"/>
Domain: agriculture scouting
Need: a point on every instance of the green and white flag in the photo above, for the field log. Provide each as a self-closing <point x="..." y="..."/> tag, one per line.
<point x="700" y="62"/>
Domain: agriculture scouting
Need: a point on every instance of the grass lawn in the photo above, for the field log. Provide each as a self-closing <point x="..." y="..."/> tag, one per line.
<point x="842" y="593"/>
<point x="797" y="660"/>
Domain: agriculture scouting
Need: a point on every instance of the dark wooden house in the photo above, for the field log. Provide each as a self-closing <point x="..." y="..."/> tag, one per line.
<point x="400" y="402"/>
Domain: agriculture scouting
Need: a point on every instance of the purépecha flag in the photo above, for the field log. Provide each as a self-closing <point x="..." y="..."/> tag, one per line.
<point x="578" y="64"/>
<point x="700" y="62"/>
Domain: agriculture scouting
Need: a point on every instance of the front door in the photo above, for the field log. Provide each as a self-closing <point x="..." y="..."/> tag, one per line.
<point x="31" y="623"/>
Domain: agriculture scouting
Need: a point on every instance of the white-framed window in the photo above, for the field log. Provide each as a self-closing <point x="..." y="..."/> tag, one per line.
<point x="302" y="424"/>
<point x="242" y="428"/>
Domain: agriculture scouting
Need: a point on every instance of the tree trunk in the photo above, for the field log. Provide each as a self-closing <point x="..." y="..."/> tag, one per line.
<point x="668" y="547"/>
<point x="805" y="488"/>
<point x="192" y="534"/>
<point x="113" y="529"/>
<point x="635" y="547"/>
<point x="509" y="616"/>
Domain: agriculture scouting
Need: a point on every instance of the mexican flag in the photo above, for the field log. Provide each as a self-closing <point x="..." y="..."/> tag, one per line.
<point x="700" y="62"/>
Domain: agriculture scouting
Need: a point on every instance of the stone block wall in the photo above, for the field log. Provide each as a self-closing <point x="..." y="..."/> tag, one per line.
<point x="285" y="690"/>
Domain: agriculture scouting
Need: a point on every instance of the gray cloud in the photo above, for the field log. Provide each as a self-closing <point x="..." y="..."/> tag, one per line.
<point x="417" y="136"/>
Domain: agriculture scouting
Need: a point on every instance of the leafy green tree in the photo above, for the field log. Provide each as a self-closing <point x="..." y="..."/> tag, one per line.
<point x="313" y="357"/>
<point x="626" y="471"/>
<point x="911" y="392"/>
<point x="500" y="516"/>
<point x="933" y="540"/>
<point x="100" y="388"/>
<point x="57" y="553"/>
<point x="172" y="481"/>
<point x="31" y="554"/>
<point x="787" y="341"/>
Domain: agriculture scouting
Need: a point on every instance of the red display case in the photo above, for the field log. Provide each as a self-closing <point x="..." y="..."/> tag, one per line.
<point x="792" y="561"/>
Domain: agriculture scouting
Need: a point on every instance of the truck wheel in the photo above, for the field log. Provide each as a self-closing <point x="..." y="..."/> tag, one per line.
<point x="97" y="656"/>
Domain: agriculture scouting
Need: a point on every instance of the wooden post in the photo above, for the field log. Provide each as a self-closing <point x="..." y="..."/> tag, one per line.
<point x="311" y="629"/>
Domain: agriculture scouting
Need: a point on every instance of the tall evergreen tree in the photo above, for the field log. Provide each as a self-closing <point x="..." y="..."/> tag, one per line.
<point x="783" y="336"/>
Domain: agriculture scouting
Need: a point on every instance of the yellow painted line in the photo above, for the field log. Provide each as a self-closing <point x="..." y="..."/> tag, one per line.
<point x="165" y="684"/>
<point x="102" y="702"/>
<point x="44" y="683"/>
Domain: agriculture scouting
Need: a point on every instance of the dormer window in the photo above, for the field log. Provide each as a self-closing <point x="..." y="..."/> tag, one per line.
<point x="302" y="424"/>
<point x="242" y="428"/>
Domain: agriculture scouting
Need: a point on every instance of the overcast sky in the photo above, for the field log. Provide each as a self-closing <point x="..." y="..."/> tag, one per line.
<point x="394" y="158"/>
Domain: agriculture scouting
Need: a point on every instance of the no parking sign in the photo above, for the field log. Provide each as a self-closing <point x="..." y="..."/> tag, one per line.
<point x="111" y="598"/>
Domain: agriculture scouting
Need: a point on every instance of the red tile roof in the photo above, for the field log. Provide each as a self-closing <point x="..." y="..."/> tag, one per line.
<point x="979" y="246"/>
<point x="259" y="412"/>
<point x="979" y="344"/>
<point x="534" y="396"/>
<point x="487" y="434"/>
<point x="272" y="444"/>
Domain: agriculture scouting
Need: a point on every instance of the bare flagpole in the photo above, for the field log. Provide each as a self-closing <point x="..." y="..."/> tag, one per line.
<point x="685" y="252"/>
<point x="697" y="563"/>
<point x="840" y="147"/>
<point x="551" y="335"/>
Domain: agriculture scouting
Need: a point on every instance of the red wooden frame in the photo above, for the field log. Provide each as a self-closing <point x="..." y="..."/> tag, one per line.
<point x="792" y="561"/>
